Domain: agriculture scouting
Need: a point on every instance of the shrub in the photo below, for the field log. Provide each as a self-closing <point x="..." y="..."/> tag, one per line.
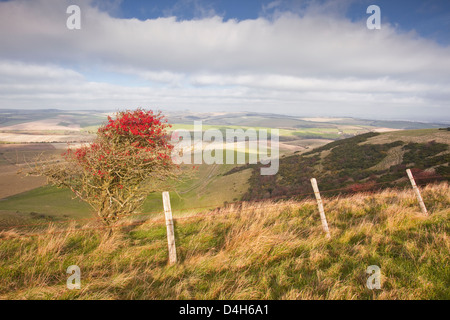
<point x="129" y="159"/>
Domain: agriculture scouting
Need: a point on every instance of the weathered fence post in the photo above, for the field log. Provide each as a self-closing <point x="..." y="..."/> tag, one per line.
<point x="417" y="192"/>
<point x="323" y="218"/>
<point x="169" y="225"/>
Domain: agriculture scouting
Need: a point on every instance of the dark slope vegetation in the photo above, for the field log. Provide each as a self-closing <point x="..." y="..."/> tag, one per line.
<point x="357" y="164"/>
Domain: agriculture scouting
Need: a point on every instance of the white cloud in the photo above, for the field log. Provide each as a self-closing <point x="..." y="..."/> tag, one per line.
<point x="19" y="71"/>
<point x="289" y="63"/>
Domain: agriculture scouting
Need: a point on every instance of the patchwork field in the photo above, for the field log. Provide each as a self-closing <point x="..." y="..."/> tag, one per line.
<point x="37" y="137"/>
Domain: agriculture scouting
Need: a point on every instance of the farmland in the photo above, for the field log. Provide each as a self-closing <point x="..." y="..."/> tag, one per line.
<point x="23" y="135"/>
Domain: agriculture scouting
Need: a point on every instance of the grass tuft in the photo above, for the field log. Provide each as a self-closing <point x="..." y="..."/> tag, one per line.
<point x="261" y="250"/>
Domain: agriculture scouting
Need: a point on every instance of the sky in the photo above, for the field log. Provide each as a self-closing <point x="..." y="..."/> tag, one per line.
<point x="294" y="57"/>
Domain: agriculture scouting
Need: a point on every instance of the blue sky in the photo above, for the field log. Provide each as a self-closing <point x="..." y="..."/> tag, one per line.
<point x="430" y="18"/>
<point x="297" y="57"/>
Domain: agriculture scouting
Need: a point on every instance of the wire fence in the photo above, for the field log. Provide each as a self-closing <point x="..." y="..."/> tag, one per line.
<point x="208" y="211"/>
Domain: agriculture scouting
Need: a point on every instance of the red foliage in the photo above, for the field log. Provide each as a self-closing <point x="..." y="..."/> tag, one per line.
<point x="422" y="176"/>
<point x="144" y="130"/>
<point x="361" y="187"/>
<point x="147" y="128"/>
<point x="131" y="154"/>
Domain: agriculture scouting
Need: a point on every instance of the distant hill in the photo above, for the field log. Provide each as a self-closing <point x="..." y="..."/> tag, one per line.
<point x="86" y="118"/>
<point x="365" y="162"/>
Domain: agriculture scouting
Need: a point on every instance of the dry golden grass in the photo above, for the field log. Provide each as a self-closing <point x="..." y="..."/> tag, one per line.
<point x="259" y="250"/>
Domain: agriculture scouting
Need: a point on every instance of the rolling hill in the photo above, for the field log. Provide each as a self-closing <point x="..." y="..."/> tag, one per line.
<point x="309" y="147"/>
<point x="365" y="162"/>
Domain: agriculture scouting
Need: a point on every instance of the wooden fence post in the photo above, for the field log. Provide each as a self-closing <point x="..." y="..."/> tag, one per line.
<point x="417" y="192"/>
<point x="169" y="225"/>
<point x="323" y="218"/>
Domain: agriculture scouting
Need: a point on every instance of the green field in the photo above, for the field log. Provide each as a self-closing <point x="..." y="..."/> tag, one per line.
<point x="207" y="188"/>
<point x="42" y="204"/>
<point x="327" y="132"/>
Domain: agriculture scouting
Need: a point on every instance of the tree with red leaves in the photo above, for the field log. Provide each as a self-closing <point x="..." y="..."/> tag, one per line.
<point x="129" y="159"/>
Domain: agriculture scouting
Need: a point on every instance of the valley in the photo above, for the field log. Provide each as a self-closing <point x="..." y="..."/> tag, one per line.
<point x="307" y="148"/>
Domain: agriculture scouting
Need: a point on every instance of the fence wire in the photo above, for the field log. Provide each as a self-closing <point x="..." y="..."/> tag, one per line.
<point x="220" y="208"/>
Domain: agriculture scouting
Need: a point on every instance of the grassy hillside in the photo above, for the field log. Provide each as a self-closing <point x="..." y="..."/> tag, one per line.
<point x="208" y="187"/>
<point x="364" y="162"/>
<point x="42" y="205"/>
<point x="257" y="251"/>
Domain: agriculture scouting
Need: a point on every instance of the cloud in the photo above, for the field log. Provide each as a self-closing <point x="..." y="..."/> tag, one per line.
<point x="23" y="72"/>
<point x="199" y="9"/>
<point x="289" y="62"/>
